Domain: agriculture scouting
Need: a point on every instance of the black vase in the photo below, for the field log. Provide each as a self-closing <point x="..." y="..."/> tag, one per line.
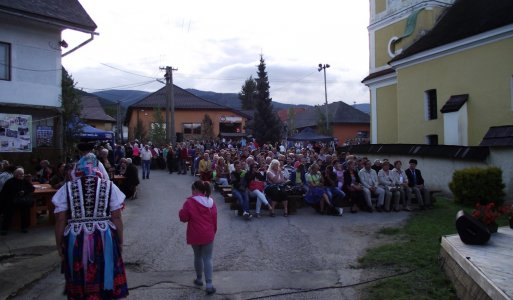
<point x="493" y="227"/>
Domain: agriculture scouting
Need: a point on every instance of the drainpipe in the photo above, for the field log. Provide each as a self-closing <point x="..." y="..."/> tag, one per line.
<point x="81" y="45"/>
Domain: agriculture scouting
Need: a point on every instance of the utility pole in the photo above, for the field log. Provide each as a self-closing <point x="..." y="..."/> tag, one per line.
<point x="170" y="105"/>
<point x="323" y="67"/>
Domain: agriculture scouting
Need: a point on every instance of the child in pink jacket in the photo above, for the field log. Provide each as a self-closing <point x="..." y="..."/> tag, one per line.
<point x="200" y="213"/>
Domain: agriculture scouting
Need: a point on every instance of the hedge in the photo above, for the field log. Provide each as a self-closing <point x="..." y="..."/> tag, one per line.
<point x="473" y="185"/>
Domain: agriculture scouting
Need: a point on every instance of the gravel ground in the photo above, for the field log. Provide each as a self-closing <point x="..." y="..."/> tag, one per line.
<point x="303" y="256"/>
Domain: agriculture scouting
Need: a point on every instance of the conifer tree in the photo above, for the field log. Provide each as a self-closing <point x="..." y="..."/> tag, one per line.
<point x="247" y="94"/>
<point x="267" y="128"/>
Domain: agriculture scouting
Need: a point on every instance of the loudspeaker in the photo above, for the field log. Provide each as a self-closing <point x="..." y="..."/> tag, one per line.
<point x="471" y="231"/>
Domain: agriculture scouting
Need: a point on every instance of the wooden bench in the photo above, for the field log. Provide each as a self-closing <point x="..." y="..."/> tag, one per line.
<point x="431" y="196"/>
<point x="294" y="202"/>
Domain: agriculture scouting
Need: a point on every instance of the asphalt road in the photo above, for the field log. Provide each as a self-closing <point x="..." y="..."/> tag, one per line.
<point x="303" y="256"/>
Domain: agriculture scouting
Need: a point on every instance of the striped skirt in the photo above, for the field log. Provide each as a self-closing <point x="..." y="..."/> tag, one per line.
<point x="93" y="266"/>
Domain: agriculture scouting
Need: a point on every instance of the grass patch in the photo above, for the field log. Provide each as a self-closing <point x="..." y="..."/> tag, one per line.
<point x="417" y="250"/>
<point x="389" y="230"/>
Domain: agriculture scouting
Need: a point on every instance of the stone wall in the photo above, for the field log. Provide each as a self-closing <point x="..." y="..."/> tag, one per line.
<point x="438" y="171"/>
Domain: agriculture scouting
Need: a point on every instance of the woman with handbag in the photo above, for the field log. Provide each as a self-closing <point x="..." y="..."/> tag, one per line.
<point x="316" y="190"/>
<point x="256" y="188"/>
<point x="352" y="186"/>
<point x="16" y="194"/>
<point x="275" y="188"/>
<point x="387" y="182"/>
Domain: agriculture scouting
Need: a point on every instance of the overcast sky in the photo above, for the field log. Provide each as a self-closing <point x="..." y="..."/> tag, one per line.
<point x="216" y="46"/>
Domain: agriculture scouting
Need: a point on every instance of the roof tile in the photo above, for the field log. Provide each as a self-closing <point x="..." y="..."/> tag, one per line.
<point x="68" y="12"/>
<point x="454" y="103"/>
<point x="465" y="18"/>
<point x="92" y="109"/>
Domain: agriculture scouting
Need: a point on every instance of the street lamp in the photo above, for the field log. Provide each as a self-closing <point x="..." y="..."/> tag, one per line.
<point x="324" y="67"/>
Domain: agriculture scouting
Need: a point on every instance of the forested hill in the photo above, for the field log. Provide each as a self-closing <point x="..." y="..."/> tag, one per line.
<point x="129" y="97"/>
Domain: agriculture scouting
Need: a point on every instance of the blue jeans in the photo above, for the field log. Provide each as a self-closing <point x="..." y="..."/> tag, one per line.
<point x="146" y="168"/>
<point x="222" y="181"/>
<point x="203" y="261"/>
<point x="260" y="199"/>
<point x="334" y="192"/>
<point x="242" y="198"/>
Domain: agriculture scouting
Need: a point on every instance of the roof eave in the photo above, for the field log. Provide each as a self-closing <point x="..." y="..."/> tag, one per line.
<point x="51" y="21"/>
<point x="484" y="38"/>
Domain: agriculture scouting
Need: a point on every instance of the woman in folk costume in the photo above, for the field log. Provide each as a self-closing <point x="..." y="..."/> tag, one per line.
<point x="90" y="244"/>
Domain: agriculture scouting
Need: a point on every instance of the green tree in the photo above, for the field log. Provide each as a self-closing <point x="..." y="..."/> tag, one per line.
<point x="111" y="110"/>
<point x="291" y="120"/>
<point x="207" y="128"/>
<point x="139" y="131"/>
<point x="71" y="108"/>
<point x="321" y="122"/>
<point x="157" y="131"/>
<point x="248" y="93"/>
<point x="267" y="128"/>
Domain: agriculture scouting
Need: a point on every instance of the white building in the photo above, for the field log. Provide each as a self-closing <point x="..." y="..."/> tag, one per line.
<point x="31" y="48"/>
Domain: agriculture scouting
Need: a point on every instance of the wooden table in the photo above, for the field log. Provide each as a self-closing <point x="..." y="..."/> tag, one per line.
<point x="43" y="194"/>
<point x="118" y="180"/>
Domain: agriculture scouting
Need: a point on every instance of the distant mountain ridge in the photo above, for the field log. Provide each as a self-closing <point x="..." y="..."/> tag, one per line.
<point x="232" y="99"/>
<point x="129" y="97"/>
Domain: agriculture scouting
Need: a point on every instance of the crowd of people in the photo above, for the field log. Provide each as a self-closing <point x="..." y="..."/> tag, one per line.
<point x="328" y="180"/>
<point x="17" y="185"/>
<point x="269" y="173"/>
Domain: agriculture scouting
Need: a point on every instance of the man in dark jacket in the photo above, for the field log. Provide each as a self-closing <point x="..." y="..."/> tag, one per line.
<point x="17" y="186"/>
<point x="131" y="182"/>
<point x="416" y="184"/>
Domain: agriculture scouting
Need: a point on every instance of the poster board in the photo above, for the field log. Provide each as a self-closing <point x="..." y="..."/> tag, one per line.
<point x="44" y="136"/>
<point x="15" y="133"/>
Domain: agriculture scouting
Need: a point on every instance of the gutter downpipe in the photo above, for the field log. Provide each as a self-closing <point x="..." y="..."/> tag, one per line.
<point x="81" y="45"/>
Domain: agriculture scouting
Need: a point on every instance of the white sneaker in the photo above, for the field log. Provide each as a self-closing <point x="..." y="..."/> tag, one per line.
<point x="247" y="215"/>
<point x="340" y="211"/>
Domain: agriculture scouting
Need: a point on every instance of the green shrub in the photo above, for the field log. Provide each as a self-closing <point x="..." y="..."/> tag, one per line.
<point x="472" y="185"/>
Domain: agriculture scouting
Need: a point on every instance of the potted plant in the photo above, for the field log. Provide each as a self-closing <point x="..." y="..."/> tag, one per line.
<point x="487" y="214"/>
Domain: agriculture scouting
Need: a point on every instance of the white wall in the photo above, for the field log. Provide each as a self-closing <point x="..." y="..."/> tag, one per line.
<point x="35" y="63"/>
<point x="437" y="172"/>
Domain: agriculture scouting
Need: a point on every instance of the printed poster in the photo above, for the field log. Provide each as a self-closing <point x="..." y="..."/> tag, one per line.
<point x="15" y="133"/>
<point x="44" y="136"/>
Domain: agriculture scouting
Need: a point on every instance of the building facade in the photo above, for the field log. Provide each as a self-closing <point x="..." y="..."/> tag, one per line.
<point x="347" y="124"/>
<point x="189" y="113"/>
<point x="449" y="80"/>
<point x="30" y="71"/>
<point x="94" y="114"/>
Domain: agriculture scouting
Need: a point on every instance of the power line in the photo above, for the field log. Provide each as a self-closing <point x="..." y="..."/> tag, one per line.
<point x="32" y="70"/>
<point x="125" y="71"/>
<point x="121" y="86"/>
<point x="292" y="82"/>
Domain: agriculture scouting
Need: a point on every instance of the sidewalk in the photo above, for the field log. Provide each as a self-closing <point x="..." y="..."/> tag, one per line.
<point x="25" y="258"/>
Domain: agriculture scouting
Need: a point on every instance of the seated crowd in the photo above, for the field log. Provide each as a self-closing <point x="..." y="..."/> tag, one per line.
<point x="15" y="182"/>
<point x="328" y="181"/>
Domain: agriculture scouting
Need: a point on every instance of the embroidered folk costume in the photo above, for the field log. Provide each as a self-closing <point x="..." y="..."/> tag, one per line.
<point x="92" y="262"/>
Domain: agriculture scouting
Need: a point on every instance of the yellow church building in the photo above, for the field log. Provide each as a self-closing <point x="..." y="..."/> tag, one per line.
<point x="441" y="72"/>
